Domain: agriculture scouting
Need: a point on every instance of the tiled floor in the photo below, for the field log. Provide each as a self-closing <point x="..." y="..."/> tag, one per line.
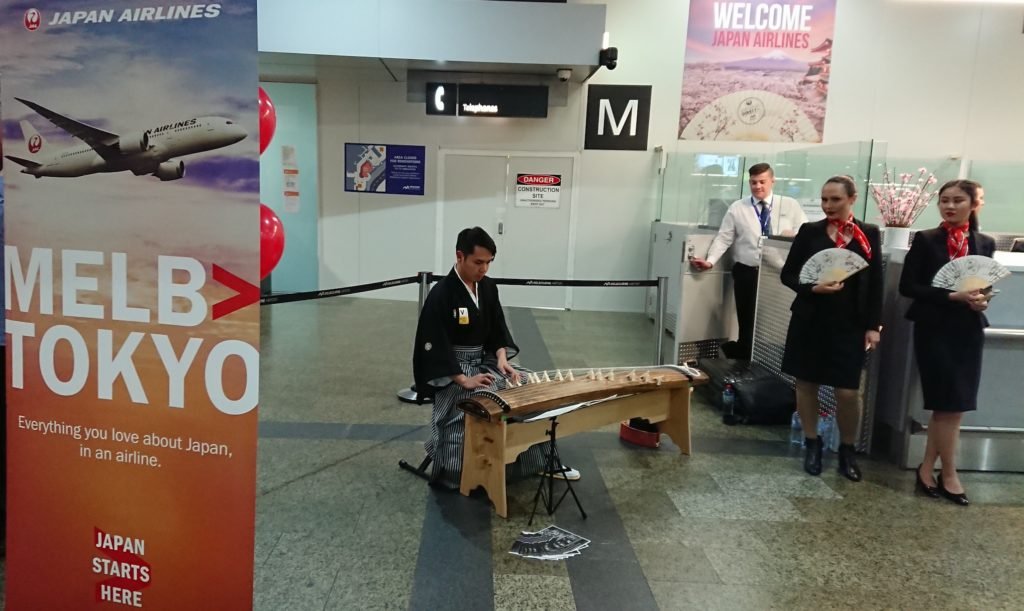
<point x="738" y="525"/>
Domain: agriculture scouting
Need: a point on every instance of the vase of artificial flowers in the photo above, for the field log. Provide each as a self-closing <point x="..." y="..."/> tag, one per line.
<point x="902" y="202"/>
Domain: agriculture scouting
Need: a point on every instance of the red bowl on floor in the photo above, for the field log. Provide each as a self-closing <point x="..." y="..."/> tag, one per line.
<point x="644" y="439"/>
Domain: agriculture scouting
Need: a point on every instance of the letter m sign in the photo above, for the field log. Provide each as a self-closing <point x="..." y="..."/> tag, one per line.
<point x="606" y="116"/>
<point x="618" y="117"/>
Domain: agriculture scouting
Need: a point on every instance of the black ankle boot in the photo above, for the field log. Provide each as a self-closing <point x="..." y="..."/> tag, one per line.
<point x="812" y="455"/>
<point x="848" y="462"/>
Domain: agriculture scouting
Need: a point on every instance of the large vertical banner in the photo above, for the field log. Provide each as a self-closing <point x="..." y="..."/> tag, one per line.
<point x="757" y="71"/>
<point x="132" y="251"/>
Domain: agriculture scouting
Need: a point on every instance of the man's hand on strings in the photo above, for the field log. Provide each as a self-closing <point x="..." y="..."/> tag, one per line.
<point x="480" y="380"/>
<point x="507" y="369"/>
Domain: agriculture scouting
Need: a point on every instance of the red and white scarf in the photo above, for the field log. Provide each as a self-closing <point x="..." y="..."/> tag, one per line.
<point x="847" y="231"/>
<point x="956" y="239"/>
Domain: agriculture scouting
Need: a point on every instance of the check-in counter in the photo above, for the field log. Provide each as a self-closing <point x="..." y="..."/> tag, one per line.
<point x="992" y="438"/>
<point x="700" y="311"/>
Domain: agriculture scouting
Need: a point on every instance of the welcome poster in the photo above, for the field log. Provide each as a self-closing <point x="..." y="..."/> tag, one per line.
<point x="757" y="71"/>
<point x="131" y="259"/>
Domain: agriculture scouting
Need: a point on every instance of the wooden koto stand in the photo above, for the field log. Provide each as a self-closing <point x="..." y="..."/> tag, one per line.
<point x="492" y="440"/>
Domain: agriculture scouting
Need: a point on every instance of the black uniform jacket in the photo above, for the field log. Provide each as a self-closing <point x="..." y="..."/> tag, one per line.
<point x="868" y="283"/>
<point x="450" y="318"/>
<point x="927" y="255"/>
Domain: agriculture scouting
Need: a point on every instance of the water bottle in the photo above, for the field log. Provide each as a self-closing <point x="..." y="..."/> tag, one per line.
<point x="729" y="403"/>
<point x="827" y="431"/>
<point x="796" y="430"/>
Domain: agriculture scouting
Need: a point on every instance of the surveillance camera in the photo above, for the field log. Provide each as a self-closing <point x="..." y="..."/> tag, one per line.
<point x="609" y="57"/>
<point x="564" y="74"/>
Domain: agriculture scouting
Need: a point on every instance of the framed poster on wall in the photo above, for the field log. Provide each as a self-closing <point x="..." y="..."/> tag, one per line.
<point x="387" y="169"/>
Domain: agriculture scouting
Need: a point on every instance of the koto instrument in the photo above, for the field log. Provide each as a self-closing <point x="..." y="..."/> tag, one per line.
<point x="548" y="390"/>
<point x="502" y="424"/>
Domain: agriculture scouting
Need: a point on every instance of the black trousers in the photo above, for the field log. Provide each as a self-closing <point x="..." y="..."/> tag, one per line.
<point x="744" y="282"/>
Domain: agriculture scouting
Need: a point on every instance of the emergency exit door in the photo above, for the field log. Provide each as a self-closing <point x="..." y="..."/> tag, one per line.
<point x="525" y="203"/>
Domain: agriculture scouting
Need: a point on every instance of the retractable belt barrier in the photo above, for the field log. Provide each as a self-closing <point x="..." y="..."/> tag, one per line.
<point x="424" y="279"/>
<point x="597" y="283"/>
<point x="348" y="290"/>
<point x="376" y="286"/>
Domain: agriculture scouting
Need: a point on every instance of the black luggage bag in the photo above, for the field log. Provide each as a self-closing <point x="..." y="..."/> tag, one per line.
<point x="762" y="397"/>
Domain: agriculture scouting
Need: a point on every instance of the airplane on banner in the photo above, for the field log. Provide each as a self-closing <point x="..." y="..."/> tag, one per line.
<point x="149" y="151"/>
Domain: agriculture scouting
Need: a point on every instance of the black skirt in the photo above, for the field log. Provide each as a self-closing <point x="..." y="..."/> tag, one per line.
<point x="824" y="350"/>
<point x="949" y="359"/>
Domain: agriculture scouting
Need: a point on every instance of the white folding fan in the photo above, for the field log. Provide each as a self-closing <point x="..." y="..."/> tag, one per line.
<point x="970" y="273"/>
<point x="748" y="115"/>
<point x="831" y="265"/>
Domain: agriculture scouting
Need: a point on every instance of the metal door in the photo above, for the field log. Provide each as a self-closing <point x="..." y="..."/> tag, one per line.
<point x="525" y="202"/>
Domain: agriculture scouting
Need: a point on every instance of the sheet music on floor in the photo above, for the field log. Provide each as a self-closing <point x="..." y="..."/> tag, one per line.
<point x="565" y="409"/>
<point x="552" y="543"/>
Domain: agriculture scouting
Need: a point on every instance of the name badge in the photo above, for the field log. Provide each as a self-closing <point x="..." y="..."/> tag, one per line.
<point x="463" y="316"/>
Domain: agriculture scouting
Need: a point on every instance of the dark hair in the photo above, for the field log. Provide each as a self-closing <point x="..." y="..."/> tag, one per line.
<point x="472" y="237"/>
<point x="847" y="182"/>
<point x="971" y="189"/>
<point x="760" y="168"/>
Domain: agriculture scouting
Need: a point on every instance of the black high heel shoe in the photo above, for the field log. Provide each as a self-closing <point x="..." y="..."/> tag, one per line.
<point x="848" y="463"/>
<point x="960" y="499"/>
<point x="922" y="487"/>
<point x="812" y="455"/>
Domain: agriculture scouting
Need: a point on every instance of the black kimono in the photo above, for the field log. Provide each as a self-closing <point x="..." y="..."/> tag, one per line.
<point x="948" y="336"/>
<point x="825" y="342"/>
<point x="454" y="337"/>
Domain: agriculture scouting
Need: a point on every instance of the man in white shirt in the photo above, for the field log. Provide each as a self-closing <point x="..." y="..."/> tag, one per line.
<point x="747" y="221"/>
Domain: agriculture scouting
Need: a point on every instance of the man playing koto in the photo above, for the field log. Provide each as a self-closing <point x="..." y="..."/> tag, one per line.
<point x="463" y="346"/>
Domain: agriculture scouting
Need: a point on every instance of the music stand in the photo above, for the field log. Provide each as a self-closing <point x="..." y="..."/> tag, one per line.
<point x="552" y="467"/>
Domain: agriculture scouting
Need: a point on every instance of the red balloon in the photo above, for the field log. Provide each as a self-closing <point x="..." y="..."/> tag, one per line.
<point x="271" y="240"/>
<point x="268" y="120"/>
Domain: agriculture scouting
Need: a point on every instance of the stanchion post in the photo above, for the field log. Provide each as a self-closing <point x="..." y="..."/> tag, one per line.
<point x="659" y="320"/>
<point x="424" y="288"/>
<point x="408" y="395"/>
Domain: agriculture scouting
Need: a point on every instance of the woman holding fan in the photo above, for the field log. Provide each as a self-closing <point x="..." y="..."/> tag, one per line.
<point x="948" y="331"/>
<point x="833" y="322"/>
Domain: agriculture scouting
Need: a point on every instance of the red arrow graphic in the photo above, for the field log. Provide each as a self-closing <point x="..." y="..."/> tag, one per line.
<point x="248" y="293"/>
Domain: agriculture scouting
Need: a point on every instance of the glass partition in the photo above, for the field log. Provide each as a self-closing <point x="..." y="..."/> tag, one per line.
<point x="1003" y="212"/>
<point x="697" y="188"/>
<point x="800" y="173"/>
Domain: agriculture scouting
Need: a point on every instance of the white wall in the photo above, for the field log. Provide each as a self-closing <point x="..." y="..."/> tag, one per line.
<point x="931" y="80"/>
<point x="367" y="238"/>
